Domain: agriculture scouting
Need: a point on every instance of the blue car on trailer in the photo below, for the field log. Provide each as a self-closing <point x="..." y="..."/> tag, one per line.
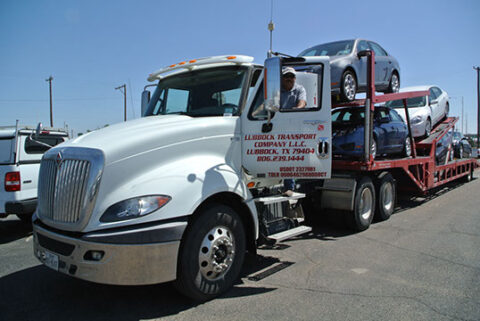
<point x="390" y="133"/>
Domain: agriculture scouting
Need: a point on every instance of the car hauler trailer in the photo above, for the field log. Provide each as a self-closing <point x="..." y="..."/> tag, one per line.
<point x="367" y="188"/>
<point x="181" y="194"/>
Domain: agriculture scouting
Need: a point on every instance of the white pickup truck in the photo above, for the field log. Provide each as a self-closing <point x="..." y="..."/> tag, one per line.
<point x="20" y="155"/>
<point x="182" y="193"/>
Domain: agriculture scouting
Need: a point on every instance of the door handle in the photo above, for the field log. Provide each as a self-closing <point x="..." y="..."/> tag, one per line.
<point x="323" y="148"/>
<point x="267" y="127"/>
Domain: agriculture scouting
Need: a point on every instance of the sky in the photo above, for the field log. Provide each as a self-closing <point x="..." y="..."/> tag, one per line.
<point x="92" y="47"/>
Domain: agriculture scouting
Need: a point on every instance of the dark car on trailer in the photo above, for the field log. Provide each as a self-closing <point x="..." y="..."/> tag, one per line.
<point x="390" y="133"/>
<point x="461" y="146"/>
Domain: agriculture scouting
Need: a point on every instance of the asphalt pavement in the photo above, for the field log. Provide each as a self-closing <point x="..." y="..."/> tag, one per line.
<point x="421" y="264"/>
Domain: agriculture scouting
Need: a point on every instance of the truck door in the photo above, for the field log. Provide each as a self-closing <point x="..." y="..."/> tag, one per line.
<point x="289" y="142"/>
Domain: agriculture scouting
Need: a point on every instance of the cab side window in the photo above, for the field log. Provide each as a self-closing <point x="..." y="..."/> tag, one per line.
<point x="257" y="110"/>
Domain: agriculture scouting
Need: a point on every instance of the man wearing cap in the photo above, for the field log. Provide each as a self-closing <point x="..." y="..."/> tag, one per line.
<point x="292" y="94"/>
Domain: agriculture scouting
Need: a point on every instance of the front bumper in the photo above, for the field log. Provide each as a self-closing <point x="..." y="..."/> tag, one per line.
<point x="124" y="262"/>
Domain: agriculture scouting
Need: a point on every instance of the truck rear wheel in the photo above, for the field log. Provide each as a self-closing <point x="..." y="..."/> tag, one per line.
<point x="386" y="197"/>
<point x="211" y="255"/>
<point x="364" y="206"/>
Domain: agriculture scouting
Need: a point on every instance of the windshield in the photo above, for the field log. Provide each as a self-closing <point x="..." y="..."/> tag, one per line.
<point x="457" y="136"/>
<point x="337" y="48"/>
<point x="411" y="102"/>
<point x="348" y="116"/>
<point x="208" y="92"/>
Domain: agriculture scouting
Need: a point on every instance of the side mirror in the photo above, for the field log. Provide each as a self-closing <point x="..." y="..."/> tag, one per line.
<point x="433" y="102"/>
<point x="364" y="53"/>
<point x="272" y="83"/>
<point x="145" y="100"/>
<point x="38" y="131"/>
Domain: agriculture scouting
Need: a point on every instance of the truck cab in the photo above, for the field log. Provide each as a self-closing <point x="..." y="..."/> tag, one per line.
<point x="177" y="194"/>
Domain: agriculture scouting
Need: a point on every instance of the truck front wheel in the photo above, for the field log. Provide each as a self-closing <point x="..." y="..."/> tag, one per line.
<point x="364" y="208"/>
<point x="211" y="255"/>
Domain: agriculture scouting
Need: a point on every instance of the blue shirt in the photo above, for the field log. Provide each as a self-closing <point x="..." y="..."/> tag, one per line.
<point x="289" y="99"/>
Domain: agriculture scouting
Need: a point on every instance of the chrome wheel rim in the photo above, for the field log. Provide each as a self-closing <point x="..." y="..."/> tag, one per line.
<point x="216" y="253"/>
<point x="461" y="152"/>
<point x="408" y="147"/>
<point x="387" y="197"/>
<point x="366" y="201"/>
<point x="349" y="87"/>
<point x="395" y="83"/>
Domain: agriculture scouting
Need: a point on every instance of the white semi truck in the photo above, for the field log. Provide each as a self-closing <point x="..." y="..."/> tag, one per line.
<point x="182" y="193"/>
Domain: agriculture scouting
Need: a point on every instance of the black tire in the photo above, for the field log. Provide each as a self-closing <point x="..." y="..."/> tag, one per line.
<point x="348" y="86"/>
<point x="428" y="127"/>
<point x="219" y="227"/>
<point x="364" y="206"/>
<point x="386" y="197"/>
<point x="394" y="84"/>
<point x="447" y="109"/>
<point x="469" y="177"/>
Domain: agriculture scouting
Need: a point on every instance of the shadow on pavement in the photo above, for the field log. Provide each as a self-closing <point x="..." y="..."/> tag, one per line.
<point x="331" y="224"/>
<point x="12" y="230"/>
<point x="39" y="293"/>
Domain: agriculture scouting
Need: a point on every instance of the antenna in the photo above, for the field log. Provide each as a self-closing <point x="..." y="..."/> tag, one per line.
<point x="271" y="27"/>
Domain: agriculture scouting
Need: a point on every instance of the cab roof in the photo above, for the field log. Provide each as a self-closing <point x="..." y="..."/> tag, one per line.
<point x="206" y="62"/>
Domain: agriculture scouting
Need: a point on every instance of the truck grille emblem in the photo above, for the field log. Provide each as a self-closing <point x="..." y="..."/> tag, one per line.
<point x="59" y="159"/>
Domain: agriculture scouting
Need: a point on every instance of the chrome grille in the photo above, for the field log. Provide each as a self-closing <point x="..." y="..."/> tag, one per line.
<point x="67" y="186"/>
<point x="63" y="189"/>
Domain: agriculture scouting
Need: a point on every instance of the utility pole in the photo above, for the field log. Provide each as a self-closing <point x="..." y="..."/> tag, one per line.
<point x="49" y="79"/>
<point x="124" y="87"/>
<point x="478" y="105"/>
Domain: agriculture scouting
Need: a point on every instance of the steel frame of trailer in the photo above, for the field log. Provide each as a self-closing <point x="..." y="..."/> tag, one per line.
<point x="422" y="171"/>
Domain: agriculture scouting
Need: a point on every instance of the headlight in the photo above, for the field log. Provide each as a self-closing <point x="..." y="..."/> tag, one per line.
<point x="134" y="208"/>
<point x="416" y="119"/>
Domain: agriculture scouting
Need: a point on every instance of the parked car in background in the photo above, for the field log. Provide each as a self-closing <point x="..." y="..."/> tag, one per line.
<point x="390" y="133"/>
<point x="461" y="146"/>
<point x="425" y="112"/>
<point x="20" y="155"/>
<point x="348" y="71"/>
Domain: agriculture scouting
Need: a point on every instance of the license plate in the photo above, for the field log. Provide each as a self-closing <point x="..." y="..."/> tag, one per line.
<point x="51" y="260"/>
